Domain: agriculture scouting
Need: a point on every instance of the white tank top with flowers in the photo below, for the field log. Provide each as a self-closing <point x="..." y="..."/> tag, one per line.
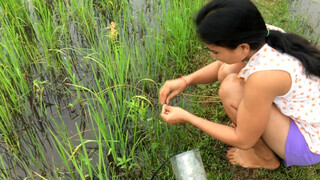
<point x="302" y="102"/>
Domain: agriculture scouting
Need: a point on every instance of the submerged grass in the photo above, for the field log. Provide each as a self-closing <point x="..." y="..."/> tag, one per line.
<point x="79" y="84"/>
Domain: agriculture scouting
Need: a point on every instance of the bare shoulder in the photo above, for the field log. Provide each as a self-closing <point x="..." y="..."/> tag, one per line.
<point x="273" y="82"/>
<point x="262" y="87"/>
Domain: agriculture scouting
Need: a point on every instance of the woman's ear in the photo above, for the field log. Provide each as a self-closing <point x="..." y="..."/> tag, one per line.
<point x="244" y="49"/>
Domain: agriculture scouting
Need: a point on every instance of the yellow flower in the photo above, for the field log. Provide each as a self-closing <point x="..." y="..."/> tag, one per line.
<point x="113" y="32"/>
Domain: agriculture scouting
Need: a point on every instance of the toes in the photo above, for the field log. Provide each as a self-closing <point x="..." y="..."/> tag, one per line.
<point x="231" y="151"/>
<point x="233" y="163"/>
<point x="231" y="160"/>
<point x="231" y="155"/>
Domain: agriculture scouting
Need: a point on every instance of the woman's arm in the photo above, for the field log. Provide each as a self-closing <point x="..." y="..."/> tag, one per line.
<point x="253" y="112"/>
<point x="205" y="75"/>
<point x="171" y="88"/>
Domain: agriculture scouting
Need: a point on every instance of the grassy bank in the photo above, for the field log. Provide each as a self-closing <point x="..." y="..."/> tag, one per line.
<point x="79" y="90"/>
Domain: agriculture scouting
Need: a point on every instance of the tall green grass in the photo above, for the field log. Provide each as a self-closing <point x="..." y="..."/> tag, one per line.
<point x="102" y="61"/>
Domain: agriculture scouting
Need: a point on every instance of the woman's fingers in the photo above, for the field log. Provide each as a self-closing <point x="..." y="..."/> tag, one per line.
<point x="166" y="109"/>
<point x="171" y="95"/>
<point x="164" y="93"/>
<point x="172" y="114"/>
<point x="163" y="97"/>
<point x="163" y="109"/>
<point x="164" y="114"/>
<point x="169" y="90"/>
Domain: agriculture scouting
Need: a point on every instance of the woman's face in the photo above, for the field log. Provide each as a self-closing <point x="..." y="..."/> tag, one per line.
<point x="230" y="56"/>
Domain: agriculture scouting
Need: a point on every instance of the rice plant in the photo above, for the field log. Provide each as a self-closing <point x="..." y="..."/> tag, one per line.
<point x="79" y="83"/>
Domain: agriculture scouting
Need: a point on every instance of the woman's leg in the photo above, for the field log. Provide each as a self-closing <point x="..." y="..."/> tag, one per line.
<point x="226" y="69"/>
<point x="273" y="139"/>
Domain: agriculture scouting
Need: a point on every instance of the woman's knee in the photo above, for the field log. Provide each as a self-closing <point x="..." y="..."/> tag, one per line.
<point x="226" y="69"/>
<point x="231" y="88"/>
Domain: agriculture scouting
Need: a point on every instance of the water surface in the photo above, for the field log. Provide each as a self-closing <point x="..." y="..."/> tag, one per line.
<point x="309" y="13"/>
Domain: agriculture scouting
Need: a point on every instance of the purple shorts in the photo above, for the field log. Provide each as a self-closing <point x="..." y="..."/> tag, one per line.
<point x="297" y="151"/>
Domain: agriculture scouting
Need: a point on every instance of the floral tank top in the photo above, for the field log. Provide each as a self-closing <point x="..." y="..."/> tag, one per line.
<point x="302" y="102"/>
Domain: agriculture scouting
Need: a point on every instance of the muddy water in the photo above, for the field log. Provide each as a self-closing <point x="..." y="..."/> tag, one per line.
<point x="308" y="11"/>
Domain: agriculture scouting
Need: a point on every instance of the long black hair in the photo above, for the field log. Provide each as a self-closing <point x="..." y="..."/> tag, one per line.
<point x="228" y="23"/>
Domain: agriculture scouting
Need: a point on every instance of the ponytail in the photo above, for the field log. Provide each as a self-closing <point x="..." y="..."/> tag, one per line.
<point x="228" y="23"/>
<point x="306" y="52"/>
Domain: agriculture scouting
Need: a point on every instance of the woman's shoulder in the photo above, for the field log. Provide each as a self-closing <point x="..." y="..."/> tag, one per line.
<point x="274" y="82"/>
<point x="268" y="59"/>
<point x="267" y="54"/>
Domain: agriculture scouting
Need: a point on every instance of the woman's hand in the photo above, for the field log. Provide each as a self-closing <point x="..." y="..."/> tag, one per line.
<point x="174" y="115"/>
<point x="170" y="89"/>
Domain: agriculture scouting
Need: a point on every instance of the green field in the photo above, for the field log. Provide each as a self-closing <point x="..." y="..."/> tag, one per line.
<point x="79" y="83"/>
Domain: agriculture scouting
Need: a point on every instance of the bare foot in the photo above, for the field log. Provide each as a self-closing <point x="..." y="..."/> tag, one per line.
<point x="250" y="159"/>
